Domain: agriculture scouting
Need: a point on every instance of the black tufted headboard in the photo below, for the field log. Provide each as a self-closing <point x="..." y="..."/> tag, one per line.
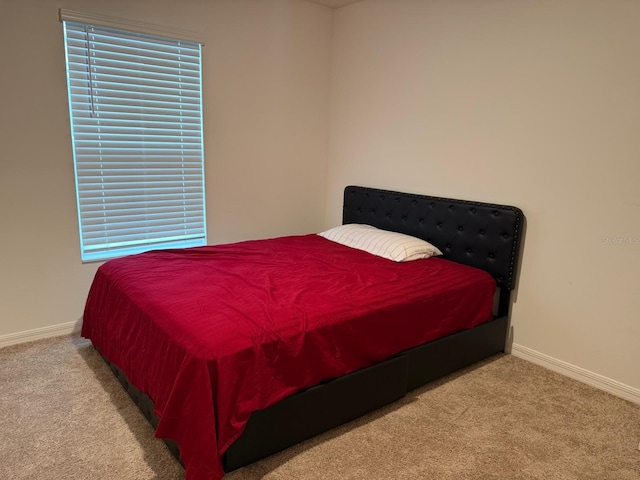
<point x="481" y="235"/>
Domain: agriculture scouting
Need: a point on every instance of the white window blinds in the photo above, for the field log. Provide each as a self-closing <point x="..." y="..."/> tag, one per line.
<point x="136" y="122"/>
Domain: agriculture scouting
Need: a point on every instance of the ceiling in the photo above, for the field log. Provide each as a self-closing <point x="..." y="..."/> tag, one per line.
<point x="335" y="3"/>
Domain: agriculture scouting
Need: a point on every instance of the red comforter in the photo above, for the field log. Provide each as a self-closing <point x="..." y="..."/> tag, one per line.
<point x="213" y="334"/>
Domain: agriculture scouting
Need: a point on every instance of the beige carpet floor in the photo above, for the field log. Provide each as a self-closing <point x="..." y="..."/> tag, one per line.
<point x="64" y="416"/>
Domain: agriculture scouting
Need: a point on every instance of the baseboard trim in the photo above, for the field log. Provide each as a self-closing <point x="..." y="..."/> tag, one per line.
<point x="40" y="333"/>
<point x="577" y="373"/>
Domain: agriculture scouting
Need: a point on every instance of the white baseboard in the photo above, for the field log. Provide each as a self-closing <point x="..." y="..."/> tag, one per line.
<point x="40" y="333"/>
<point x="585" y="376"/>
<point x="577" y="373"/>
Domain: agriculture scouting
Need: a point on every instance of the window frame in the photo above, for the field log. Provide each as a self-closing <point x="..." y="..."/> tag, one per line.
<point x="176" y="222"/>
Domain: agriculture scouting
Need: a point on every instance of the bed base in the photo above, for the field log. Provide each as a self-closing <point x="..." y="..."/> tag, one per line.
<point x="331" y="404"/>
<point x="326" y="406"/>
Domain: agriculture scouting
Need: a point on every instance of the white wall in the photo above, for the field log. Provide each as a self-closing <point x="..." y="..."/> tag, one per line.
<point x="530" y="103"/>
<point x="535" y="104"/>
<point x="266" y="96"/>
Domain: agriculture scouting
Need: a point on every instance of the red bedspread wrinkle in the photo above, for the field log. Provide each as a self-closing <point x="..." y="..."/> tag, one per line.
<point x="215" y="333"/>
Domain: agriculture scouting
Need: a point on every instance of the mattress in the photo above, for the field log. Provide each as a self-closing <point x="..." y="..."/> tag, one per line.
<point x="215" y="333"/>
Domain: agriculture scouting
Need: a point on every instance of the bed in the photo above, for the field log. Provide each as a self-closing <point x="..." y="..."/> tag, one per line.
<point x="180" y="328"/>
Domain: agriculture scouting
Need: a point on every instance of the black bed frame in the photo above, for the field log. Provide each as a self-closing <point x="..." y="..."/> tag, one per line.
<point x="481" y="235"/>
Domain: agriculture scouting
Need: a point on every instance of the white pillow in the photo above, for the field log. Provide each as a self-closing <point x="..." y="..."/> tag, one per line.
<point x="392" y="245"/>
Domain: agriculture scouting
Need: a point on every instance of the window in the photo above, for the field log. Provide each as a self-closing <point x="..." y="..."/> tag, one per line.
<point x="135" y="106"/>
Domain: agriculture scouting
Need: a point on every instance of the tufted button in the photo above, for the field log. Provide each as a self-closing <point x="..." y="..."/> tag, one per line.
<point x="432" y="204"/>
<point x="452" y="207"/>
<point x="414" y="202"/>
<point x="469" y="250"/>
<point x="373" y="211"/>
<point x="460" y="229"/>
<point x="421" y="221"/>
<point x="359" y="210"/>
<point x="388" y="215"/>
<point x="492" y="255"/>
<point x="473" y="209"/>
<point x="448" y="245"/>
<point x="397" y="199"/>
<point x="505" y="236"/>
<point x="439" y="224"/>
<point x="495" y="213"/>
<point x="381" y="197"/>
<point x="483" y="231"/>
